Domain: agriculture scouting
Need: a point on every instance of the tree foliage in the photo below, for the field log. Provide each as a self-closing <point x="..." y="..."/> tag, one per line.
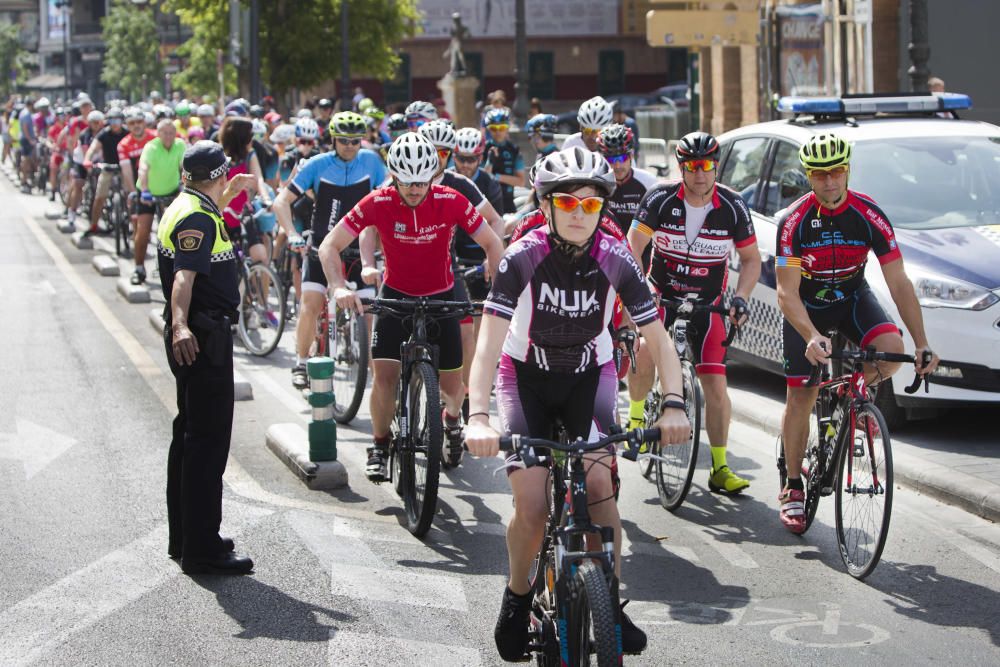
<point x="13" y="58"/>
<point x="133" y="48"/>
<point x="209" y="20"/>
<point x="299" y="40"/>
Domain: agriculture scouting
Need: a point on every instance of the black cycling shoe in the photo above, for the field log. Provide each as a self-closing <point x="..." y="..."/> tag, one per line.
<point x="138" y="276"/>
<point x="511" y="632"/>
<point x="300" y="377"/>
<point x="633" y="639"/>
<point x="451" y="453"/>
<point x="375" y="469"/>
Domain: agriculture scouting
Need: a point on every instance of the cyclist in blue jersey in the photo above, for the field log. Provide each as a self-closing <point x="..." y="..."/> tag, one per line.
<point x="337" y="180"/>
<point x="542" y="130"/>
<point x="503" y="157"/>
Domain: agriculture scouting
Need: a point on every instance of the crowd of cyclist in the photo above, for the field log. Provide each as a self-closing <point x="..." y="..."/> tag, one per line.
<point x="599" y="244"/>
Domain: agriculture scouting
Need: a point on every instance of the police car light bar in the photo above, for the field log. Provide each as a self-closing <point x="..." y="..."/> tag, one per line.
<point x="873" y="104"/>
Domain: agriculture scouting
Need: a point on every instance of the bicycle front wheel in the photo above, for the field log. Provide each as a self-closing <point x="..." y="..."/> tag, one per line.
<point x="120" y="220"/>
<point x="262" y="310"/>
<point x="652" y="413"/>
<point x="426" y="436"/>
<point x="864" y="492"/>
<point x="673" y="477"/>
<point x="349" y="349"/>
<point x="591" y="619"/>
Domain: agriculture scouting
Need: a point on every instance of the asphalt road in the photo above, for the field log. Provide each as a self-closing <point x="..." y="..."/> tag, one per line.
<point x="84" y="429"/>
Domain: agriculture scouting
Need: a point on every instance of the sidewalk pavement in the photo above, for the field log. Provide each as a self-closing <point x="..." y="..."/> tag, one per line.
<point x="961" y="479"/>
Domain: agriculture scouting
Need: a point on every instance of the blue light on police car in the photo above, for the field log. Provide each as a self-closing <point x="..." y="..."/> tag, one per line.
<point x="954" y="101"/>
<point x="810" y="105"/>
<point x="889" y="104"/>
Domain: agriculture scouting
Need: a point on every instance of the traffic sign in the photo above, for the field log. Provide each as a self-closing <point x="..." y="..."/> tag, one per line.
<point x="668" y="27"/>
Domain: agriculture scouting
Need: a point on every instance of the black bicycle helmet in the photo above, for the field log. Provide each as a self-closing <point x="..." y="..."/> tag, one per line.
<point x="616" y="139"/>
<point x="697" y="146"/>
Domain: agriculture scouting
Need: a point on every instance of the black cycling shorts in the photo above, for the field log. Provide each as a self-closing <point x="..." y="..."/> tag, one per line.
<point x="860" y="318"/>
<point x="143" y="208"/>
<point x="247" y="234"/>
<point x="79" y="171"/>
<point x="706" y="332"/>
<point x="390" y="332"/>
<point x="312" y="273"/>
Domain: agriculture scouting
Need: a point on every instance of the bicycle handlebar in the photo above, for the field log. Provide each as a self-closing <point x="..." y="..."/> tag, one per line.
<point x="871" y="355"/>
<point x="434" y="307"/>
<point x="688" y="308"/>
<point x="523" y="445"/>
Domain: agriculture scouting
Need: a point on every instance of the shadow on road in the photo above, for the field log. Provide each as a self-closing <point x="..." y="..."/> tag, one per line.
<point x="915" y="592"/>
<point x="265" y="611"/>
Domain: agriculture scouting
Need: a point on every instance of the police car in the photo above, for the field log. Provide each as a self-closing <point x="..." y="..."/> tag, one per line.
<point x="938" y="179"/>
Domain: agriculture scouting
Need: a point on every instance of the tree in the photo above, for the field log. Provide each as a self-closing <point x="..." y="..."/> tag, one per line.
<point x="209" y="20"/>
<point x="300" y="39"/>
<point x="13" y="59"/>
<point x="133" y="49"/>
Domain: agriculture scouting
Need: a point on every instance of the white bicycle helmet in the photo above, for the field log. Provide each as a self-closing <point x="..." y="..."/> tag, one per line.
<point x="304" y="113"/>
<point x="42" y="103"/>
<point x="412" y="159"/>
<point x="439" y="133"/>
<point x="574" y="166"/>
<point x="595" y="113"/>
<point x="206" y="110"/>
<point x="259" y="129"/>
<point x="95" y="116"/>
<point x="469" y="141"/>
<point x="306" y="128"/>
<point x="421" y="109"/>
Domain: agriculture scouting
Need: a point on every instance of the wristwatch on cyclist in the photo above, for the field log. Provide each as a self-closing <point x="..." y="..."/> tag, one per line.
<point x="671" y="403"/>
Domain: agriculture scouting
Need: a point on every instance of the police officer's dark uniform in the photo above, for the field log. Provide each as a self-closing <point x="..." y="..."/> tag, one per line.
<point x="192" y="236"/>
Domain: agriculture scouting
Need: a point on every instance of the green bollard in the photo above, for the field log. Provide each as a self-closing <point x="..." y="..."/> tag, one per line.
<point x="322" y="428"/>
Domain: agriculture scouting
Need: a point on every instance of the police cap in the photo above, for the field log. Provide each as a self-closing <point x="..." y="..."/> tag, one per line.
<point x="204" y="161"/>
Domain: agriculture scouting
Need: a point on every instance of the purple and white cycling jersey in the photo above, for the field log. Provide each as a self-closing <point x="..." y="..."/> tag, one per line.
<point x="560" y="310"/>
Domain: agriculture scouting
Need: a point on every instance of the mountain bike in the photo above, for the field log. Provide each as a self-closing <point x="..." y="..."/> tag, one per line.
<point x="575" y="612"/>
<point x="852" y="456"/>
<point x="417" y="430"/>
<point x="675" y="466"/>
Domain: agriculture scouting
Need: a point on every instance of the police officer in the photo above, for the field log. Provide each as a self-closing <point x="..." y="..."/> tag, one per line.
<point x="200" y="284"/>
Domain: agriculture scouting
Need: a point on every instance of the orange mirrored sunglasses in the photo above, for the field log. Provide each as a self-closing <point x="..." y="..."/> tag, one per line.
<point x="568" y="203"/>
<point x="834" y="172"/>
<point x="692" y="166"/>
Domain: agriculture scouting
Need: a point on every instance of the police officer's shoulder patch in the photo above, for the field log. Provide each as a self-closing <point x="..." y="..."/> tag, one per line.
<point x="190" y="240"/>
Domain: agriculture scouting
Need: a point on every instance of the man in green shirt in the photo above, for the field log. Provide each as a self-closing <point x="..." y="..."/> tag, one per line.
<point x="159" y="176"/>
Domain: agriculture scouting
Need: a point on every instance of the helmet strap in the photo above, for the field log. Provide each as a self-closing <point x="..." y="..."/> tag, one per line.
<point x="570" y="251"/>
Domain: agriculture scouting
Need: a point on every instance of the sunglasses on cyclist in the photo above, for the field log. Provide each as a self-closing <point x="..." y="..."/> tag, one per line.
<point x="444" y="153"/>
<point x="467" y="159"/>
<point x="691" y="166"/>
<point x="348" y="142"/>
<point x="833" y="172"/>
<point x="618" y="159"/>
<point x="306" y="142"/>
<point x="568" y="203"/>
<point x="420" y="185"/>
<point x="415" y="124"/>
<point x="498" y="128"/>
<point x="589" y="131"/>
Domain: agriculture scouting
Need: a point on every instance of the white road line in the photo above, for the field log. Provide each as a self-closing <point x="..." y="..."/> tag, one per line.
<point x="358" y="649"/>
<point x="398" y="587"/>
<point x="966" y="545"/>
<point x="330" y="545"/>
<point x="732" y="553"/>
<point x="36" y="625"/>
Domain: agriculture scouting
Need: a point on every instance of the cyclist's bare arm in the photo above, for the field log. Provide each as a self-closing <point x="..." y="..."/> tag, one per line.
<point x="901" y="290"/>
<point x="260" y="185"/>
<point x="236" y="185"/>
<point x="368" y="244"/>
<point x="127" y="181"/>
<point x="673" y="424"/>
<point x="789" y="279"/>
<point x="491" y="243"/>
<point x="494" y="219"/>
<point x="480" y="437"/>
<point x="339" y="238"/>
<point x="91" y="151"/>
<point x="143" y="178"/>
<point x="749" y="270"/>
<point x="282" y="208"/>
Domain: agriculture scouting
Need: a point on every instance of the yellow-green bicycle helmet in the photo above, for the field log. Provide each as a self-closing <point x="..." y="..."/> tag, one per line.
<point x="824" y="151"/>
<point x="347" y="124"/>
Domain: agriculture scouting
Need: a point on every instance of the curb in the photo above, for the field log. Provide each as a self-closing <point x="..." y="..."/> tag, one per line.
<point x="242" y="389"/>
<point x="132" y="293"/>
<point x="960" y="489"/>
<point x="290" y="444"/>
<point x="105" y="265"/>
<point x="82" y="242"/>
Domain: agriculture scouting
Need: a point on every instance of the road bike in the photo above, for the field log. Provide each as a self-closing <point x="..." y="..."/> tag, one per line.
<point x="262" y="305"/>
<point x="115" y="214"/>
<point x="675" y="465"/>
<point x="852" y="456"/>
<point x="343" y="336"/>
<point x="417" y="429"/>
<point x="575" y="611"/>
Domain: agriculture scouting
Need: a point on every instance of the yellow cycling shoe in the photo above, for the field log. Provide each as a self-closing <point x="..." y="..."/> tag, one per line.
<point x="725" y="480"/>
<point x="633" y="424"/>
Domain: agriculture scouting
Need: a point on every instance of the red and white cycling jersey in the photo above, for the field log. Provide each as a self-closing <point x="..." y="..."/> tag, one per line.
<point x="416" y="242"/>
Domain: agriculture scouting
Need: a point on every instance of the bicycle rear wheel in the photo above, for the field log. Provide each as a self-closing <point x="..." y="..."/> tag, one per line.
<point x="120" y="221"/>
<point x="349" y="349"/>
<point x="864" y="492"/>
<point x="673" y="478"/>
<point x="424" y="457"/>
<point x="262" y="310"/>
<point x="65" y="181"/>
<point x="591" y="620"/>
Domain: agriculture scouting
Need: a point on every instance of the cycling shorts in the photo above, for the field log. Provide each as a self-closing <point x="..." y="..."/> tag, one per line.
<point x="248" y="234"/>
<point x="314" y="280"/>
<point x="706" y="332"/>
<point x="104" y="184"/>
<point x="27" y="148"/>
<point x="860" y="318"/>
<point x="530" y="400"/>
<point x="143" y="208"/>
<point x="56" y="160"/>
<point x="390" y="332"/>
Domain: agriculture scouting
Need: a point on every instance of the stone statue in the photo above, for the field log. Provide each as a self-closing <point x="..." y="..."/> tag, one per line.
<point x="454" y="52"/>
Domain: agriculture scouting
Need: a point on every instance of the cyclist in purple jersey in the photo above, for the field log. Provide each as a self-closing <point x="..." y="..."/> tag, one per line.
<point x="545" y="322"/>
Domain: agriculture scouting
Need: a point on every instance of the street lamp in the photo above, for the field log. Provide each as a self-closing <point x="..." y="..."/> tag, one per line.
<point x="66" y="11"/>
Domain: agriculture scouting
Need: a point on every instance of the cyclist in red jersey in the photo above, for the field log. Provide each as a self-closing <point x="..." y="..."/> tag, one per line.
<point x="823" y="242"/>
<point x="416" y="221"/>
<point x="57" y="142"/>
<point x="129" y="150"/>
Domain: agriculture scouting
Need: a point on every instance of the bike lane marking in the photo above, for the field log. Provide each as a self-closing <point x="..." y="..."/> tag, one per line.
<point x="732" y="553"/>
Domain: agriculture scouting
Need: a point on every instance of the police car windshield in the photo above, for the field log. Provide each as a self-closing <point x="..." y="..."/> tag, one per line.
<point x="931" y="182"/>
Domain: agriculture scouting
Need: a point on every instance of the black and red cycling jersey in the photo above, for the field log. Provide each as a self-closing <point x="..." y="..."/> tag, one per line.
<point x="624" y="203"/>
<point x="831" y="246"/>
<point x="678" y="268"/>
